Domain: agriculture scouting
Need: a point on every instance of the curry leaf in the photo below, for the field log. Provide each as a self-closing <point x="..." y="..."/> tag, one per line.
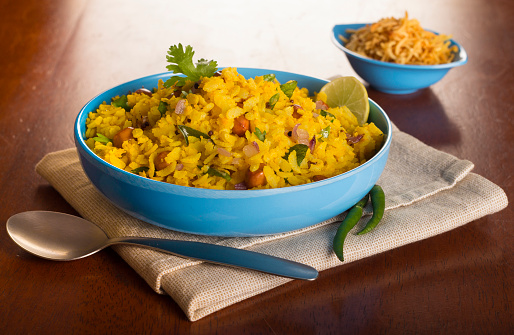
<point x="188" y="131"/>
<point x="213" y="172"/>
<point x="273" y="100"/>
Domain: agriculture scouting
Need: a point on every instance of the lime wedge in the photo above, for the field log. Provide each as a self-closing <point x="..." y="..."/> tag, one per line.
<point x="349" y="92"/>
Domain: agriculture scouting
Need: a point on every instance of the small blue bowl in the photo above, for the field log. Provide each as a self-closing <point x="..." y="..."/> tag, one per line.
<point x="229" y="212"/>
<point x="390" y="77"/>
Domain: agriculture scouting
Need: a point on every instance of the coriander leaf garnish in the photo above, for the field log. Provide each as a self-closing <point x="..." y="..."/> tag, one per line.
<point x="181" y="61"/>
<point x="121" y="102"/>
<point x="273" y="100"/>
<point x="140" y="169"/>
<point x="325" y="114"/>
<point x="163" y="107"/>
<point x="260" y="135"/>
<point x="289" y="87"/>
<point x="188" y="131"/>
<point x="301" y="152"/>
<point x="324" y="133"/>
<point x="269" y="77"/>
<point x="102" y="139"/>
<point x="213" y="172"/>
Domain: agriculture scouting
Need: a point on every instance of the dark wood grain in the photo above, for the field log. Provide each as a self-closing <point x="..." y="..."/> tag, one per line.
<point x="56" y="55"/>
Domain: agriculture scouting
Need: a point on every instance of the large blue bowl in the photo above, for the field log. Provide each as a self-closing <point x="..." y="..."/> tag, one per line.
<point x="390" y="77"/>
<point x="224" y="212"/>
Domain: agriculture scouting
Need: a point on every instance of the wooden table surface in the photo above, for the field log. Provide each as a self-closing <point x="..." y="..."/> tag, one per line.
<point x="55" y="55"/>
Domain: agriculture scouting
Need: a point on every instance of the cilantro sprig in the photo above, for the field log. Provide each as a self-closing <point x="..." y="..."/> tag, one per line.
<point x="181" y="61"/>
<point x="325" y="132"/>
<point x="269" y="77"/>
<point x="301" y="152"/>
<point x="140" y="169"/>
<point x="102" y="138"/>
<point x="163" y="107"/>
<point x="121" y="102"/>
<point x="327" y="114"/>
<point x="261" y="135"/>
<point x="289" y="87"/>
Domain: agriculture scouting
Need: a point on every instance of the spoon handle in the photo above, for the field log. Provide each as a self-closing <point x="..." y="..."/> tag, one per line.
<point x="225" y="255"/>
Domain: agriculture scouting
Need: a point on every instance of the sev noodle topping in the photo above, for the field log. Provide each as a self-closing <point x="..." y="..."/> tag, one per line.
<point x="401" y="41"/>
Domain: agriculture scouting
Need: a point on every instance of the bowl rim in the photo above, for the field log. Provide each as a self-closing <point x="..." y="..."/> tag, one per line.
<point x="163" y="186"/>
<point x="462" y="54"/>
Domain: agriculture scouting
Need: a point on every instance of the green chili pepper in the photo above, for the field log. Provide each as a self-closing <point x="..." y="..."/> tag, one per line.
<point x="352" y="217"/>
<point x="378" y="201"/>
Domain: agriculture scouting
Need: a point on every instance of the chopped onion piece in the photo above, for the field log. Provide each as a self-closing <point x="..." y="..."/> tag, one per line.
<point x="224" y="152"/>
<point x="300" y="135"/>
<point x="312" y="143"/>
<point x="304" y="141"/>
<point x="240" y="186"/>
<point x="180" y="107"/>
<point x="353" y="139"/>
<point x="321" y="105"/>
<point x="315" y="114"/>
<point x="251" y="149"/>
<point x="294" y="134"/>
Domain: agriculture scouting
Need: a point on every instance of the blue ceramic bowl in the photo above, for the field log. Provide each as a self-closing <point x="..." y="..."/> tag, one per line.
<point x="390" y="77"/>
<point x="229" y="212"/>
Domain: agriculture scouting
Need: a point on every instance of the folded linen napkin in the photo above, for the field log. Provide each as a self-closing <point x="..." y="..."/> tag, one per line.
<point x="428" y="192"/>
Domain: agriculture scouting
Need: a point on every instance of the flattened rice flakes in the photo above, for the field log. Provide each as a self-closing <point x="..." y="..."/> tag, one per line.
<point x="190" y="139"/>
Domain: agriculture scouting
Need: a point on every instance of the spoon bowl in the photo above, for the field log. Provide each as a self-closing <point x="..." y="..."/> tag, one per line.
<point x="56" y="236"/>
<point x="64" y="237"/>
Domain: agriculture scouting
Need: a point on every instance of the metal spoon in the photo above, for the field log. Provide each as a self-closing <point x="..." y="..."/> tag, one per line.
<point x="59" y="236"/>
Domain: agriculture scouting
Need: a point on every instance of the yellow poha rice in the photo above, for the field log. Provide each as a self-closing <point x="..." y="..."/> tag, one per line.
<point x="290" y="141"/>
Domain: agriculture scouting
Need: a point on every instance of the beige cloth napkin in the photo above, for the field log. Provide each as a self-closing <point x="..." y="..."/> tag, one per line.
<point x="428" y="192"/>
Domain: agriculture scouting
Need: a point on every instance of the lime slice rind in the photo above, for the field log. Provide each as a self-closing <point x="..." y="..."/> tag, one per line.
<point x="349" y="92"/>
